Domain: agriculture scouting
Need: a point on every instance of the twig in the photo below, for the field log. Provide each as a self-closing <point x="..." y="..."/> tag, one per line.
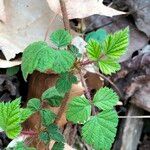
<point x="64" y="15"/>
<point x="135" y="117"/>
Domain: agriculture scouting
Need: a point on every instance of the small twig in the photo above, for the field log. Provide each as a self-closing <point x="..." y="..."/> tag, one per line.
<point x="64" y="15"/>
<point x="134" y="117"/>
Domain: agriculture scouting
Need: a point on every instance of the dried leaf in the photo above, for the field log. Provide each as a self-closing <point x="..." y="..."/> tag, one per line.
<point x="83" y="8"/>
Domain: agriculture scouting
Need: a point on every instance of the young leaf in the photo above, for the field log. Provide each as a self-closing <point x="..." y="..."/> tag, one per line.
<point x="93" y="50"/>
<point x="25" y="114"/>
<point x="109" y="66"/>
<point x="12" y="71"/>
<point x="54" y="133"/>
<point x="58" y="146"/>
<point x="10" y="119"/>
<point x="115" y="45"/>
<point x="65" y="82"/>
<point x="79" y="110"/>
<point x="47" y="117"/>
<point x="44" y="137"/>
<point x="64" y="60"/>
<point x="53" y="97"/>
<point x="100" y="130"/>
<point x="99" y="35"/>
<point x="105" y="98"/>
<point x="61" y="38"/>
<point x="37" y="56"/>
<point x="34" y="104"/>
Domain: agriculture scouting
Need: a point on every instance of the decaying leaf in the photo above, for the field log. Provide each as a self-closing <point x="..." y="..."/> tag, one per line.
<point x="84" y="8"/>
<point x="2" y="11"/>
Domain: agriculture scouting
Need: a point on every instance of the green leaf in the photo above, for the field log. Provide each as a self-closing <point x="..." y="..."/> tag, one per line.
<point x="99" y="35"/>
<point x="12" y="71"/>
<point x="115" y="45"/>
<point x="79" y="110"/>
<point x="58" y="146"/>
<point x="93" y="50"/>
<point x="23" y="146"/>
<point x="65" y="82"/>
<point x="34" y="104"/>
<point x="44" y="137"/>
<point x="109" y="66"/>
<point x="37" y="56"/>
<point x="63" y="62"/>
<point x="105" y="98"/>
<point x="75" y="51"/>
<point x="100" y="130"/>
<point x="10" y="118"/>
<point x="25" y="114"/>
<point x="47" y="117"/>
<point x="53" y="97"/>
<point x="61" y="38"/>
<point x="54" y="133"/>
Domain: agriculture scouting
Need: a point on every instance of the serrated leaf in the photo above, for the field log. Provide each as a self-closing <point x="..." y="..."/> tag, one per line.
<point x="43" y="136"/>
<point x="37" y="56"/>
<point x="25" y="114"/>
<point x="64" y="60"/>
<point x="47" y="117"/>
<point x="12" y="71"/>
<point x="100" y="130"/>
<point x="105" y="99"/>
<point x="23" y="146"/>
<point x="79" y="110"/>
<point x="116" y="44"/>
<point x="54" y="133"/>
<point x="58" y="146"/>
<point x="99" y="35"/>
<point x="10" y="118"/>
<point x="34" y="104"/>
<point x="65" y="82"/>
<point x="109" y="66"/>
<point x="61" y="38"/>
<point x="53" y="97"/>
<point x="93" y="50"/>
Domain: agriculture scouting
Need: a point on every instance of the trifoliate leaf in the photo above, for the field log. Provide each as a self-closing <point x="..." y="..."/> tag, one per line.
<point x="58" y="146"/>
<point x="12" y="71"/>
<point x="109" y="66"/>
<point x="37" y="56"/>
<point x="65" y="82"/>
<point x="61" y="38"/>
<point x="100" y="130"/>
<point x="105" y="98"/>
<point x="53" y="97"/>
<point x="44" y="137"/>
<point x="47" y="117"/>
<point x="25" y="114"/>
<point x="99" y="35"/>
<point x="10" y="119"/>
<point x="64" y="60"/>
<point x="93" y="50"/>
<point x="34" y="104"/>
<point x="79" y="110"/>
<point x="54" y="133"/>
<point x="115" y="45"/>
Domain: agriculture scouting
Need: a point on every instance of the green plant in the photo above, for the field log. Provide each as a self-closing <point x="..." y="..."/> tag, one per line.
<point x="104" y="51"/>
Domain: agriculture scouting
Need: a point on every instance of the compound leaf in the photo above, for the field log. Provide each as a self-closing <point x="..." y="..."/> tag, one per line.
<point x="10" y="119"/>
<point x="65" y="82"/>
<point x="53" y="97"/>
<point x="79" y="110"/>
<point x="100" y="130"/>
<point x="61" y="38"/>
<point x="93" y="50"/>
<point x="34" y="104"/>
<point x="54" y="133"/>
<point x="58" y="146"/>
<point x="109" y="66"/>
<point x="105" y="98"/>
<point x="47" y="117"/>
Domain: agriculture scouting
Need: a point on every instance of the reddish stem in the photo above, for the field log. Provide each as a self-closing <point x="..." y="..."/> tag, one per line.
<point x="87" y="62"/>
<point x="29" y="133"/>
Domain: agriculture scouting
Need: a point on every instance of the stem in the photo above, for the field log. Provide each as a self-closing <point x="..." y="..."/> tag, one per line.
<point x="87" y="62"/>
<point x="134" y="117"/>
<point x="29" y="133"/>
<point x="64" y="15"/>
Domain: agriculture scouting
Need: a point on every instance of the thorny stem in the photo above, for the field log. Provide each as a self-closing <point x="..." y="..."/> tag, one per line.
<point x="64" y="15"/>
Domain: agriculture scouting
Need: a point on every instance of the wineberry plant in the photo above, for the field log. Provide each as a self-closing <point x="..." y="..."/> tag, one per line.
<point x="61" y="57"/>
